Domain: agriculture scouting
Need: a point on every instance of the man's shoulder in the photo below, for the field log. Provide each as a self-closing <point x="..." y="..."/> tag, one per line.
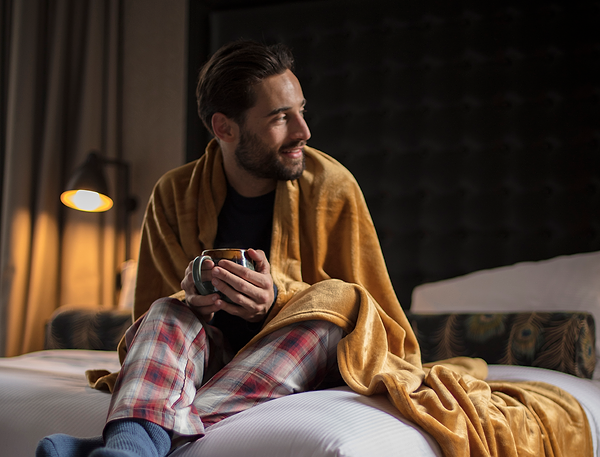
<point x="178" y="177"/>
<point x="326" y="182"/>
<point x="321" y="166"/>
<point x="184" y="171"/>
<point x="323" y="169"/>
<point x="175" y="184"/>
<point x="191" y="172"/>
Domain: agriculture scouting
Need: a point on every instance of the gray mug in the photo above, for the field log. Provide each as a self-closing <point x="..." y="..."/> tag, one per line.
<point x="239" y="256"/>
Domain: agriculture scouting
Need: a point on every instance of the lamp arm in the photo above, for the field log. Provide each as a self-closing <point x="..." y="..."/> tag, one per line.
<point x="128" y="203"/>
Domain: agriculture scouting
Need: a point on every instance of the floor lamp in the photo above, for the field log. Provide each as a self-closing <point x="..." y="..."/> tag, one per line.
<point x="87" y="190"/>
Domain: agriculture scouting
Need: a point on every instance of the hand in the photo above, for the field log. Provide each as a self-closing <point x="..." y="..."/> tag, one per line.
<point x="205" y="305"/>
<point x="252" y="291"/>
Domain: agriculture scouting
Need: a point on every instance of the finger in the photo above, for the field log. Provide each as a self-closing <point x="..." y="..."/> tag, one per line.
<point x="186" y="275"/>
<point x="249" y="314"/>
<point x="237" y="287"/>
<point x="207" y="264"/>
<point x="239" y="276"/>
<point x="187" y="283"/>
<point x="206" y="305"/>
<point x="248" y="297"/>
<point x="235" y="268"/>
<point x="201" y="301"/>
<point x="261" y="263"/>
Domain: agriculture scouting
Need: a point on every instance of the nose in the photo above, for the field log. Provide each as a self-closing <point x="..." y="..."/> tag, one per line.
<point x="301" y="131"/>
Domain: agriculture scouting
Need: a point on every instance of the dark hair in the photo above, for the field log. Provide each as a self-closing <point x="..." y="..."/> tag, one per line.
<point x="226" y="82"/>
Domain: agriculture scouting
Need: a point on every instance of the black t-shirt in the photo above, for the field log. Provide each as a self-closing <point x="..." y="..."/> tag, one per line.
<point x="243" y="223"/>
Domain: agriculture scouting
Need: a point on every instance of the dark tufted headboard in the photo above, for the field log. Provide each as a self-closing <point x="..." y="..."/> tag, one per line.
<point x="472" y="127"/>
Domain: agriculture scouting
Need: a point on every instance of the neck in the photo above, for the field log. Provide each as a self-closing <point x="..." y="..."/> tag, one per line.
<point x="244" y="183"/>
<point x="250" y="186"/>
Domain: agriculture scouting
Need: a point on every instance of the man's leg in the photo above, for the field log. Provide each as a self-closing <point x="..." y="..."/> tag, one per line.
<point x="164" y="369"/>
<point x="293" y="359"/>
<point x="159" y="384"/>
<point x="156" y="386"/>
<point x="296" y="358"/>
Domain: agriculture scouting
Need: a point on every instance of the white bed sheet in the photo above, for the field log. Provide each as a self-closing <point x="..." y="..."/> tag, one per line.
<point x="46" y="392"/>
<point x="333" y="422"/>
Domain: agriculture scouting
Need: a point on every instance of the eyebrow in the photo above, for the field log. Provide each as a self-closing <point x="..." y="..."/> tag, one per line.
<point x="284" y="108"/>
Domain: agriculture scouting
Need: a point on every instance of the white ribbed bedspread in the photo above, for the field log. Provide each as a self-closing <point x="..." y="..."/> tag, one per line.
<point x="46" y="392"/>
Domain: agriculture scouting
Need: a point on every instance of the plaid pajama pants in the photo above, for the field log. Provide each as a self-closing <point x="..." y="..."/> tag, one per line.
<point x="162" y="379"/>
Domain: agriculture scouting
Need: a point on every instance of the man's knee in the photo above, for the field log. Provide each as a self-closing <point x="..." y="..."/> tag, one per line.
<point x="165" y="309"/>
<point x="171" y="316"/>
<point x="325" y="331"/>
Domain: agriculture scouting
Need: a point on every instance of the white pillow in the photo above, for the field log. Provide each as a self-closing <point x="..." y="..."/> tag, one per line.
<point x="565" y="283"/>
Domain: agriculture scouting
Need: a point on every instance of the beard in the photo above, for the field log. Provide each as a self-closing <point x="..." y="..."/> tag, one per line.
<point x="263" y="162"/>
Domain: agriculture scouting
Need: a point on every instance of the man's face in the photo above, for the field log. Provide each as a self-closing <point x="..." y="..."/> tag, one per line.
<point x="272" y="138"/>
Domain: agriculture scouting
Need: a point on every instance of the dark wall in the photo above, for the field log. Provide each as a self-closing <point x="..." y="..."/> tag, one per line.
<point x="200" y="13"/>
<point x="472" y="127"/>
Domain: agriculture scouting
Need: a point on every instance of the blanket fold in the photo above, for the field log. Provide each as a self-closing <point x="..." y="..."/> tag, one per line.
<point x="449" y="399"/>
<point x="327" y="264"/>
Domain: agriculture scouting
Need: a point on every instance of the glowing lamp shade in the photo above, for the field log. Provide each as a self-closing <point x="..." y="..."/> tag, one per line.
<point x="86" y="200"/>
<point x="87" y="189"/>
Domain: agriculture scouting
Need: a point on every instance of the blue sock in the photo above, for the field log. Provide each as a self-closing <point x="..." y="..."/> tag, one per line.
<point x="133" y="437"/>
<point x="60" y="445"/>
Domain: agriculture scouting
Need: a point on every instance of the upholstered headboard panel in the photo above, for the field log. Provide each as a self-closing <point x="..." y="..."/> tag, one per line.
<point x="472" y="127"/>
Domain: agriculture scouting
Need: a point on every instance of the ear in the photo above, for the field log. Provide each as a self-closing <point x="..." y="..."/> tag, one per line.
<point x="224" y="128"/>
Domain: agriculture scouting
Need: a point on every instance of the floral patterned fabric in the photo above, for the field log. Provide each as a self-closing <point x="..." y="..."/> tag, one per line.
<point x="80" y="328"/>
<point x="558" y="341"/>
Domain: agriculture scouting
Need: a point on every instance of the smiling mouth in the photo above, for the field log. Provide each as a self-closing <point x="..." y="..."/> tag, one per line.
<point x="296" y="150"/>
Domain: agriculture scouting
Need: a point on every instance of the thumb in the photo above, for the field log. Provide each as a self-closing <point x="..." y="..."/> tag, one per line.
<point x="261" y="264"/>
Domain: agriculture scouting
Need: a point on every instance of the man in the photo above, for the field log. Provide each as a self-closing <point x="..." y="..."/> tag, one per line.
<point x="320" y="299"/>
<point x="259" y="186"/>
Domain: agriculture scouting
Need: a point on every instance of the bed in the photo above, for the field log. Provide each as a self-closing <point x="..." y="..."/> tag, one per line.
<point x="473" y="130"/>
<point x="46" y="392"/>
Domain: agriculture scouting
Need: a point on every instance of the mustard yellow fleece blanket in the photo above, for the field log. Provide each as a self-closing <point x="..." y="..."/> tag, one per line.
<point x="327" y="264"/>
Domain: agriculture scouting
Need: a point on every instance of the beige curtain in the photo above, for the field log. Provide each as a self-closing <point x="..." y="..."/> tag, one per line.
<point x="63" y="101"/>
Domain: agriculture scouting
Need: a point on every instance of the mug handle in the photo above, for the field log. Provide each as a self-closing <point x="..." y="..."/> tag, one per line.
<point x="196" y="274"/>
